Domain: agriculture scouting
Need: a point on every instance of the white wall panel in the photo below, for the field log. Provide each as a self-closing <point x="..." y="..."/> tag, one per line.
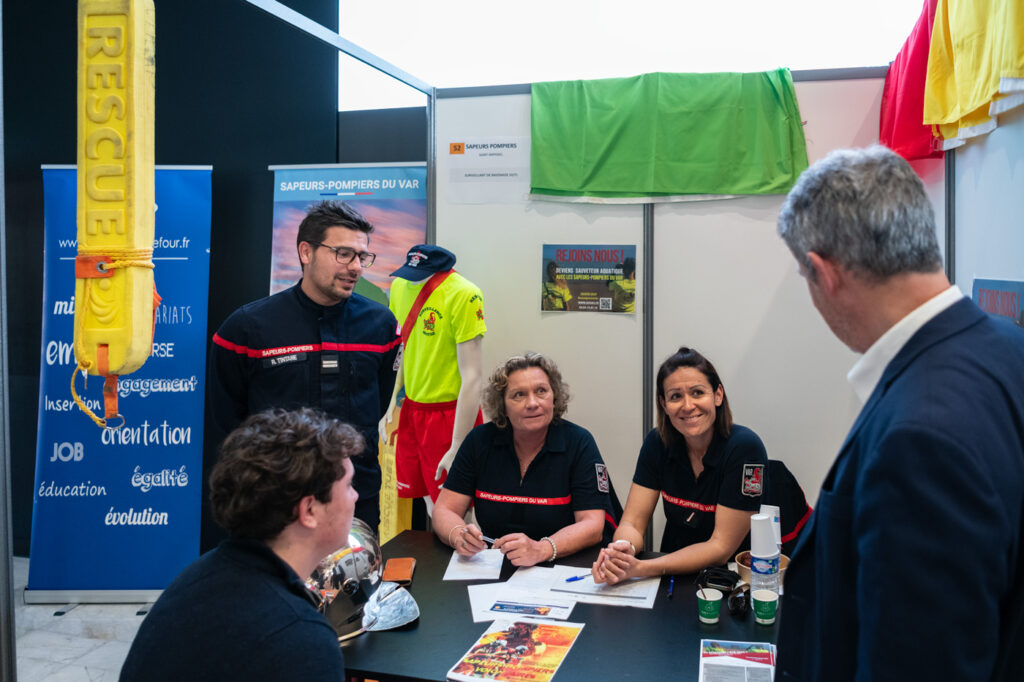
<point x="499" y="247"/>
<point x="727" y="285"/>
<point x="990" y="204"/>
<point x="724" y="283"/>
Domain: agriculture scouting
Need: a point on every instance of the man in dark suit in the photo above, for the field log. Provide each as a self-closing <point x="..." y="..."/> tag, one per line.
<point x="911" y="567"/>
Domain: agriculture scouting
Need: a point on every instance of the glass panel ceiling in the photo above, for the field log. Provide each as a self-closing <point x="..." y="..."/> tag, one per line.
<point x="458" y="43"/>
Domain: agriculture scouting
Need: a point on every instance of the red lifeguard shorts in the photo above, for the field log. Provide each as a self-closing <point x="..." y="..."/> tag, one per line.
<point x="424" y="435"/>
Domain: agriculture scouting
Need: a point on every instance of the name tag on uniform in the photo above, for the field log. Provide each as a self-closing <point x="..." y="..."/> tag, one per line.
<point x="284" y="359"/>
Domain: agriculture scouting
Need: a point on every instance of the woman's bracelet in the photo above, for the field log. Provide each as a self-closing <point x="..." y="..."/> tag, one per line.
<point x="454" y="528"/>
<point x="554" y="549"/>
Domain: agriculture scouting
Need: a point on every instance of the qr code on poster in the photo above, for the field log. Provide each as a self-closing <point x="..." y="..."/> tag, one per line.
<point x="604" y="303"/>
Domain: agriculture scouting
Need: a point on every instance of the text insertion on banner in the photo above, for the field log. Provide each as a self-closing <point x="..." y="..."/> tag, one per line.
<point x="118" y="509"/>
<point x="488" y="170"/>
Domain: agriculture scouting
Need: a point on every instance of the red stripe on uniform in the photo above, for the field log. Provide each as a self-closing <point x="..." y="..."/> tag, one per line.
<point x="796" y="531"/>
<point x="224" y="343"/>
<point x="608" y="517"/>
<point x="518" y="499"/>
<point x="367" y="347"/>
<point x="688" y="504"/>
<point x="301" y="348"/>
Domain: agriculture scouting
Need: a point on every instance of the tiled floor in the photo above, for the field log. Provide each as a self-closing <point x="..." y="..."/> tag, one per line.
<point x="88" y="644"/>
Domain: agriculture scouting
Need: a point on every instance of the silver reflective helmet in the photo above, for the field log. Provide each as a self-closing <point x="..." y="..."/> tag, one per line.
<point x="346" y="579"/>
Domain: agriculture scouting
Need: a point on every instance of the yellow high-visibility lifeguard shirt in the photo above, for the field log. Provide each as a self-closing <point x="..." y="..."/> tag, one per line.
<point x="453" y="314"/>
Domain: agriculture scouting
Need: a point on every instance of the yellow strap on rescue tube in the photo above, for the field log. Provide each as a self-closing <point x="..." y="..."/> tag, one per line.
<point x="114" y="290"/>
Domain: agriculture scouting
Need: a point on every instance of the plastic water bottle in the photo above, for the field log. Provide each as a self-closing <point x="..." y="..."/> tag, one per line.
<point x="764" y="554"/>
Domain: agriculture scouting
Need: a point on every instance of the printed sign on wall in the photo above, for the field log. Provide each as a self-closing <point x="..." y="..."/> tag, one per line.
<point x="118" y="509"/>
<point x="489" y="170"/>
<point x="589" y="277"/>
<point x="1001" y="297"/>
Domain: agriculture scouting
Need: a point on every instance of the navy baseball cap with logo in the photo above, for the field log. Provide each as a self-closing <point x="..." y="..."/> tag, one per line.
<point x="423" y="260"/>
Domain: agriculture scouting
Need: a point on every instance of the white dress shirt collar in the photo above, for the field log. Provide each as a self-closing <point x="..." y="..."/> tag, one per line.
<point x="868" y="371"/>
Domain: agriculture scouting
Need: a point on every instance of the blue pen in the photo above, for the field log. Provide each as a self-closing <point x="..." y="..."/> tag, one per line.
<point x="671" y="586"/>
<point x="577" y="577"/>
<point x="489" y="541"/>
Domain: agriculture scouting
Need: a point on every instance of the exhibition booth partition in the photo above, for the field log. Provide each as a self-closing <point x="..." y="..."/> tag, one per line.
<point x="716" y="277"/>
<point x="711" y="274"/>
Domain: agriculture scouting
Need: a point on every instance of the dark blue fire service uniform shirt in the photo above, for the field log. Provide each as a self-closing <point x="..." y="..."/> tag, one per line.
<point x="734" y="476"/>
<point x="287" y="351"/>
<point x="566" y="476"/>
<point x="237" y="613"/>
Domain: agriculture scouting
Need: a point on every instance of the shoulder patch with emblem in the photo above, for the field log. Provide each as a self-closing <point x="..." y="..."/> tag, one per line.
<point x="602" y="477"/>
<point x="753" y="479"/>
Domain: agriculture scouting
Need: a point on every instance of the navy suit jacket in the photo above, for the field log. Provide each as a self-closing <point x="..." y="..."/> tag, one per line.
<point x="911" y="567"/>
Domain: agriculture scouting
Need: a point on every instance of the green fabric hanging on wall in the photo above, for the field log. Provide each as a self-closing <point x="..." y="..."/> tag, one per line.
<point x="666" y="135"/>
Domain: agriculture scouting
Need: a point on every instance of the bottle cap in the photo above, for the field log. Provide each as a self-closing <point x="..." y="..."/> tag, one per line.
<point x="762" y="538"/>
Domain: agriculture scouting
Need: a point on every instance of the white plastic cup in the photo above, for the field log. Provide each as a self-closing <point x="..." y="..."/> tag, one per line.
<point x="762" y="537"/>
<point x="772" y="512"/>
<point x="765" y="558"/>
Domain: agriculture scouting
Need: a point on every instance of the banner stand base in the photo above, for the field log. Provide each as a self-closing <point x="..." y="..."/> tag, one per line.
<point x="91" y="596"/>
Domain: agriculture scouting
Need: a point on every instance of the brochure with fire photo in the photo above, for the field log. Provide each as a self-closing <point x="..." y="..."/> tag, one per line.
<point x="517" y="651"/>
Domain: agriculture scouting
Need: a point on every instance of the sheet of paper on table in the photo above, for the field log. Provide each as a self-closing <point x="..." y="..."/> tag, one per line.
<point x="532" y="578"/>
<point x="540" y="579"/>
<point x="484" y="565"/>
<point x="498" y="600"/>
<point x="638" y="593"/>
<point x="726" y="661"/>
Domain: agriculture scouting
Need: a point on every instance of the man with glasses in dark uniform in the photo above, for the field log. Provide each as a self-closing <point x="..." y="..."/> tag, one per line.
<point x="317" y="344"/>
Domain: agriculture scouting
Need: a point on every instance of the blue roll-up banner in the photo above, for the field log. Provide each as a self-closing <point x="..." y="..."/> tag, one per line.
<point x="393" y="197"/>
<point x="118" y="509"/>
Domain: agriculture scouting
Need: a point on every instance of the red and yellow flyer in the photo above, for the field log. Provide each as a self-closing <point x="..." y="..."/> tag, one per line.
<point x="517" y="651"/>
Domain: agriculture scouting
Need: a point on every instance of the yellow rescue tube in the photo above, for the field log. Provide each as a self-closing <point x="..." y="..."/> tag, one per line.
<point x="114" y="291"/>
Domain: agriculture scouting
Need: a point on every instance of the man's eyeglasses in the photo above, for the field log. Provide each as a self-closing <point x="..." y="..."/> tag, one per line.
<point x="345" y="255"/>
